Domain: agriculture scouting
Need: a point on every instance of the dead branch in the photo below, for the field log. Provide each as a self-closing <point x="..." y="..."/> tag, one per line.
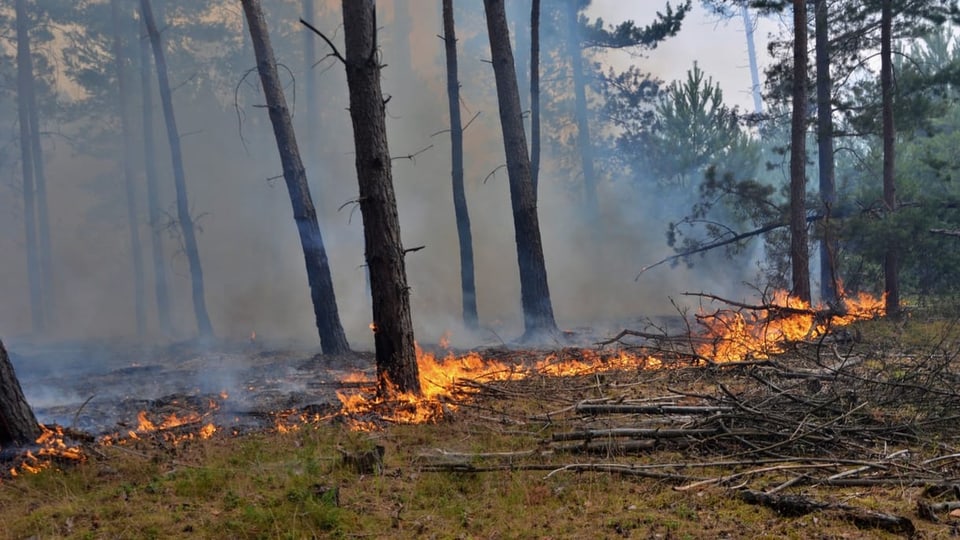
<point x="798" y="505"/>
<point x="762" y="307"/>
<point x="333" y="48"/>
<point x="929" y="510"/>
<point x="627" y="408"/>
<point x="947" y="232"/>
<point x="725" y="242"/>
<point x="752" y="472"/>
<point x="591" y="434"/>
<point x="413" y="157"/>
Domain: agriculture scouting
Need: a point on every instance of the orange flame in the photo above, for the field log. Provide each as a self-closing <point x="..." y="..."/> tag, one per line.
<point x="728" y="336"/>
<point x="732" y="336"/>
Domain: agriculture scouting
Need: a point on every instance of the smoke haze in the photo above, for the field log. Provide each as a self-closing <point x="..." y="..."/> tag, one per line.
<point x="252" y="261"/>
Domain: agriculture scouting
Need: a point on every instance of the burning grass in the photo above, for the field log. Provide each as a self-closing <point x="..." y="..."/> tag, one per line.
<point x="547" y="432"/>
<point x="298" y="484"/>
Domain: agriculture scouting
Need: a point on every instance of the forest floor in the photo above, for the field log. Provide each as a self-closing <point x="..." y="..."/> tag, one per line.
<point x="847" y="438"/>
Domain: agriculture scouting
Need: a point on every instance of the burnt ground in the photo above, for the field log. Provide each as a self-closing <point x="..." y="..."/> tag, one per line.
<point x="100" y="388"/>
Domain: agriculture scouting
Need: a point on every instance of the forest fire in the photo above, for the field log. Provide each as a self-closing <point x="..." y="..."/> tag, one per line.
<point x="51" y="448"/>
<point x="751" y="332"/>
<point x="757" y="333"/>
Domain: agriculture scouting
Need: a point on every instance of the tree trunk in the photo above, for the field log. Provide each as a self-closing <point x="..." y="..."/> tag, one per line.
<point x="392" y="323"/>
<point x="522" y="40"/>
<point x="44" y="250"/>
<point x="828" y="244"/>
<point x="584" y="144"/>
<point x="18" y="425"/>
<point x="139" y="297"/>
<point x="153" y="196"/>
<point x="24" y="80"/>
<point x="183" y="207"/>
<point x="890" y="263"/>
<point x="332" y="338"/>
<point x="799" y="251"/>
<point x="467" y="285"/>
<point x="534" y="292"/>
<point x="752" y="58"/>
<point x="535" y="96"/>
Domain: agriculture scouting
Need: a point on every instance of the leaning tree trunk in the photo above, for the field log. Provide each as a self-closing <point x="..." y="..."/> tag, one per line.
<point x="467" y="284"/>
<point x="828" y="244"/>
<point x="24" y="82"/>
<point x="392" y="323"/>
<point x="176" y="156"/>
<point x="534" y="292"/>
<point x="584" y="144"/>
<point x="153" y="195"/>
<point x="139" y="296"/>
<point x="799" y="251"/>
<point x="18" y="425"/>
<point x="891" y="276"/>
<point x="332" y="338"/>
<point x="535" y="96"/>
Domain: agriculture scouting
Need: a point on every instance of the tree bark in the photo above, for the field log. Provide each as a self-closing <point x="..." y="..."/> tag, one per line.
<point x="828" y="244"/>
<point x="534" y="291"/>
<point x="153" y="196"/>
<point x="467" y="285"/>
<point x="584" y="144"/>
<point x="44" y="250"/>
<point x="183" y="206"/>
<point x="392" y="323"/>
<point x="332" y="338"/>
<point x="18" y="425"/>
<point x="799" y="251"/>
<point x="752" y="58"/>
<point x="890" y="263"/>
<point x="139" y="296"/>
<point x="535" y="96"/>
<point x="24" y="82"/>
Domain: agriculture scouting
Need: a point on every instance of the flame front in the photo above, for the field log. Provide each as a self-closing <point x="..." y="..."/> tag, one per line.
<point x="728" y="336"/>
<point x="732" y="336"/>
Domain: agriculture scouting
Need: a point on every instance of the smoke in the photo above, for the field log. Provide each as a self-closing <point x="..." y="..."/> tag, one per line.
<point x="253" y="266"/>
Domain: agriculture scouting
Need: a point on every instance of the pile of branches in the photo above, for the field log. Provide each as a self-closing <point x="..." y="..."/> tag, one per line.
<point x="827" y="413"/>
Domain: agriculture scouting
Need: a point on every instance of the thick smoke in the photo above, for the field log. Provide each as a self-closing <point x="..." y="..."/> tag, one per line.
<point x="253" y="267"/>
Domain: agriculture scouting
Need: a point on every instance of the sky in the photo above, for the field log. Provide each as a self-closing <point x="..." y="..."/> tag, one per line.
<point x="719" y="46"/>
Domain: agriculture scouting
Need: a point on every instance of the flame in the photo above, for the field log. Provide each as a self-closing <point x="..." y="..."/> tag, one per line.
<point x="253" y="336"/>
<point x="728" y="336"/>
<point x="373" y="327"/>
<point x="51" y="448"/>
<point x="732" y="336"/>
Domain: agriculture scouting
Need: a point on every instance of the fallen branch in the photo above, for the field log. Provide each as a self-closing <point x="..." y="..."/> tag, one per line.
<point x="627" y="408"/>
<point x="797" y="505"/>
<point x="591" y="434"/>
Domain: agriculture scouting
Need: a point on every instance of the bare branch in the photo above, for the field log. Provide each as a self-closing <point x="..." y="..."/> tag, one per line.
<point x="336" y="53"/>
